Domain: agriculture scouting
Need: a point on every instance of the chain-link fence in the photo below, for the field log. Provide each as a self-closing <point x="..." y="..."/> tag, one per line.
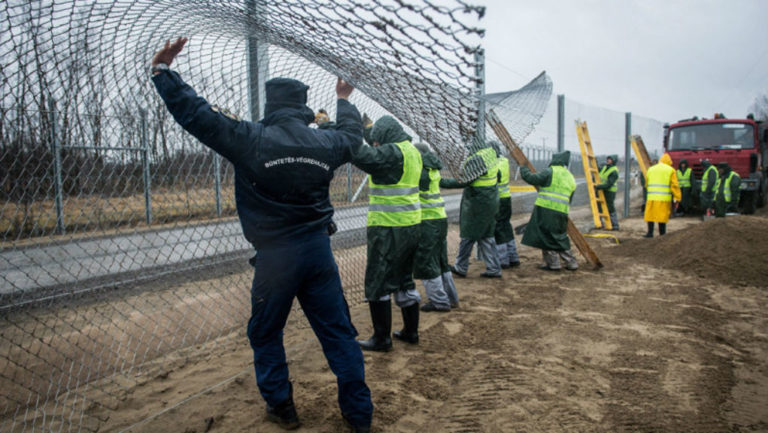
<point x="120" y="242"/>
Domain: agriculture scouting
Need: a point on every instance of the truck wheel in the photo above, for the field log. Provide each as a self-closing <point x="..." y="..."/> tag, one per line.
<point x="750" y="202"/>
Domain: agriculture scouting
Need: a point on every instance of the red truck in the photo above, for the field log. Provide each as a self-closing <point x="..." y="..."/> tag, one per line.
<point x="739" y="142"/>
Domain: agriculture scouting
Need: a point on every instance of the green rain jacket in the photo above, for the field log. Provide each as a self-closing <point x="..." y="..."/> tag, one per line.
<point x="477" y="215"/>
<point x="547" y="228"/>
<point x="390" y="249"/>
<point x="432" y="254"/>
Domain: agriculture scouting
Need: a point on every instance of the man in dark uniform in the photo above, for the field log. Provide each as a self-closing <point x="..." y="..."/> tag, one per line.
<point x="394" y="218"/>
<point x="286" y="217"/>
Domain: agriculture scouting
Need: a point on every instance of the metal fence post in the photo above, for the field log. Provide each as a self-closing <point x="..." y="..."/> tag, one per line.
<point x="349" y="181"/>
<point x="627" y="157"/>
<point x="560" y="123"/>
<point x="217" y="181"/>
<point x="57" y="177"/>
<point x="145" y="166"/>
<point x="480" y="93"/>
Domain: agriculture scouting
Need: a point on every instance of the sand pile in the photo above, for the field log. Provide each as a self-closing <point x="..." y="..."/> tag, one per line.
<point x="727" y="250"/>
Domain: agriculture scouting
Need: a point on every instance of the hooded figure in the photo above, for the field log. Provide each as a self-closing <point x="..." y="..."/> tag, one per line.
<point x="394" y="218"/>
<point x="726" y="190"/>
<point x="663" y="190"/>
<point x="504" y="234"/>
<point x="479" y="203"/>
<point x="609" y="175"/>
<point x="283" y="171"/>
<point x="547" y="228"/>
<point x="431" y="262"/>
<point x="685" y="181"/>
<point x="708" y="180"/>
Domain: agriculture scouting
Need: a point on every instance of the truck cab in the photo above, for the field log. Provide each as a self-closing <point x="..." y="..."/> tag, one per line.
<point x="739" y="142"/>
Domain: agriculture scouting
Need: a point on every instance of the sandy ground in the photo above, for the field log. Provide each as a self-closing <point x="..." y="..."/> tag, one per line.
<point x="648" y="344"/>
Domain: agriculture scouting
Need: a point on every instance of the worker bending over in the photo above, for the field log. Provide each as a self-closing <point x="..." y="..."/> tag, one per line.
<point x="548" y="226"/>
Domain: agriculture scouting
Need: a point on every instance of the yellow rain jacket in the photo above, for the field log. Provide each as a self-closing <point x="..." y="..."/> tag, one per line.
<point x="662" y="187"/>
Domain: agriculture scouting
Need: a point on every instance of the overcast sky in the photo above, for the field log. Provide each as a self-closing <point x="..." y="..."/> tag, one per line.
<point x="664" y="59"/>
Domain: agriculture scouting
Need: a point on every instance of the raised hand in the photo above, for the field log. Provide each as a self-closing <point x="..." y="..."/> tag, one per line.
<point x="343" y="89"/>
<point x="169" y="52"/>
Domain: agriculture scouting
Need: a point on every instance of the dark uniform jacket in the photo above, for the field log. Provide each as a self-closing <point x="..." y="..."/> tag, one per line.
<point x="282" y="167"/>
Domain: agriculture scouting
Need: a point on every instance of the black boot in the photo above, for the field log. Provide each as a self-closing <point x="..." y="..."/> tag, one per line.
<point x="284" y="414"/>
<point x="410" y="331"/>
<point x="650" y="231"/>
<point x="381" y="316"/>
<point x="662" y="228"/>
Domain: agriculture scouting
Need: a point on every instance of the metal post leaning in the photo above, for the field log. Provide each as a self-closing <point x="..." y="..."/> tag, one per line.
<point x="145" y="166"/>
<point x="560" y="123"/>
<point x="217" y="181"/>
<point x="627" y="157"/>
<point x="57" y="181"/>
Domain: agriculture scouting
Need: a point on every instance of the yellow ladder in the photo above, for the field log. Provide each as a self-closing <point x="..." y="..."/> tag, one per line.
<point x="592" y="174"/>
<point x="641" y="154"/>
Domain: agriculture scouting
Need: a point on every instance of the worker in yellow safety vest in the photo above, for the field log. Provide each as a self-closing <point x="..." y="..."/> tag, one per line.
<point x="663" y="191"/>
<point x="684" y="180"/>
<point x="708" y="181"/>
<point x="504" y="234"/>
<point x="548" y="226"/>
<point x="479" y="204"/>
<point x="394" y="216"/>
<point x="727" y="190"/>
<point x="609" y="176"/>
<point x="431" y="264"/>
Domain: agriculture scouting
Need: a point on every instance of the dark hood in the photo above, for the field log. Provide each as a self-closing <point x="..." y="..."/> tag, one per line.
<point x="615" y="159"/>
<point x="388" y="130"/>
<point x="726" y="168"/>
<point x="562" y="158"/>
<point x="706" y="164"/>
<point x="681" y="166"/>
<point x="286" y="97"/>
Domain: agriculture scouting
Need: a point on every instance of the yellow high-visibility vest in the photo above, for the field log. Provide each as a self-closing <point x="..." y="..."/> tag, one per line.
<point x="659" y="177"/>
<point x="557" y="196"/>
<point x="605" y="172"/>
<point x="684" y="178"/>
<point x="432" y="203"/>
<point x="503" y="185"/>
<point x="397" y="205"/>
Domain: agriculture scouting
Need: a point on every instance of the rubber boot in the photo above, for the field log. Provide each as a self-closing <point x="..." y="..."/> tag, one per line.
<point x="650" y="231"/>
<point x="662" y="229"/>
<point x="381" y="316"/>
<point x="410" y="331"/>
<point x="614" y="221"/>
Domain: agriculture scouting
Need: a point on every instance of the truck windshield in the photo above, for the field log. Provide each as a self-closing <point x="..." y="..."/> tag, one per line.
<point x="712" y="136"/>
